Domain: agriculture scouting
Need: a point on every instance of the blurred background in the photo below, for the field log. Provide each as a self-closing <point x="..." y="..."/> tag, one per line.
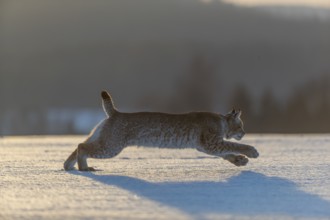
<point x="269" y="58"/>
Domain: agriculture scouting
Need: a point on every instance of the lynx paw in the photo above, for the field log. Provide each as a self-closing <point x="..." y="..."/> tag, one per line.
<point x="238" y="160"/>
<point x="251" y="152"/>
<point x="88" y="169"/>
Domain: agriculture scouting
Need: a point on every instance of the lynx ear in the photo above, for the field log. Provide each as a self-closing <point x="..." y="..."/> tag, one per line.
<point x="235" y="113"/>
<point x="231" y="113"/>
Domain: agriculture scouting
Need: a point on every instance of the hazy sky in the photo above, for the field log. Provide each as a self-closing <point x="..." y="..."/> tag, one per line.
<point x="314" y="3"/>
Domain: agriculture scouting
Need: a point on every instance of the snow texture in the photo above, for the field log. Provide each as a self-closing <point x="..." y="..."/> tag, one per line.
<point x="290" y="180"/>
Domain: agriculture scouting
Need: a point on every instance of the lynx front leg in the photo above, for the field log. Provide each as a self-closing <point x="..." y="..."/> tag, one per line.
<point x="226" y="147"/>
<point x="244" y="149"/>
<point x="231" y="151"/>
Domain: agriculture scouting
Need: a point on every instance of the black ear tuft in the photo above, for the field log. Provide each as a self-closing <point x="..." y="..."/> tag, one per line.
<point x="105" y="95"/>
<point x="238" y="114"/>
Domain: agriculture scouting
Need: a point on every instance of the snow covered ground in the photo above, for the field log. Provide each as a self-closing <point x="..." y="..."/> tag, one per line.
<point x="290" y="180"/>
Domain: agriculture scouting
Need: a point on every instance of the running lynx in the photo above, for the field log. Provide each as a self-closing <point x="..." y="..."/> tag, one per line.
<point x="204" y="131"/>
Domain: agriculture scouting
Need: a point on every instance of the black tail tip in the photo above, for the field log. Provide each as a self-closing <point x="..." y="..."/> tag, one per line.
<point x="105" y="95"/>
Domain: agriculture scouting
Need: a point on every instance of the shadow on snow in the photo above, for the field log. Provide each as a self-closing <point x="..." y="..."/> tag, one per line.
<point x="248" y="193"/>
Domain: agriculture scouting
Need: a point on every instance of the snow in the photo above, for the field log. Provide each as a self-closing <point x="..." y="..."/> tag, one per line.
<point x="290" y="180"/>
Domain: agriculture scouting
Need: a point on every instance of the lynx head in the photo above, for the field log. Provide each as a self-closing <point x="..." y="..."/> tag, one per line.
<point x="235" y="125"/>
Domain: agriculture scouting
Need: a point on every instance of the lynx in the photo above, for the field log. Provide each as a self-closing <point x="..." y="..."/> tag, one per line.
<point x="204" y="131"/>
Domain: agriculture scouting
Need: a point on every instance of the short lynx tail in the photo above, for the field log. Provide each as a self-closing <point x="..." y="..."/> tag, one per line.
<point x="108" y="106"/>
<point x="71" y="161"/>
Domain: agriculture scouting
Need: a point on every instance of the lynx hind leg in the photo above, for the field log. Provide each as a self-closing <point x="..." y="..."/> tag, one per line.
<point x="71" y="161"/>
<point x="96" y="151"/>
<point x="238" y="160"/>
<point x="82" y="155"/>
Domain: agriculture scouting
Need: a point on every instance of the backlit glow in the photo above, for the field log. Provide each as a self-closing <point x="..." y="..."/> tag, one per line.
<point x="311" y="3"/>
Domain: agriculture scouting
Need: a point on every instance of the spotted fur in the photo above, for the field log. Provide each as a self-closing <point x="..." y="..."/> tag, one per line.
<point x="203" y="131"/>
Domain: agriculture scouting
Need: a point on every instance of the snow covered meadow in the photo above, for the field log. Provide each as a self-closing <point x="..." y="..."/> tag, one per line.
<point x="290" y="180"/>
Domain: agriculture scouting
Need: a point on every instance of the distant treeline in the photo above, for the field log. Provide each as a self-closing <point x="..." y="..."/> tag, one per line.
<point x="307" y="110"/>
